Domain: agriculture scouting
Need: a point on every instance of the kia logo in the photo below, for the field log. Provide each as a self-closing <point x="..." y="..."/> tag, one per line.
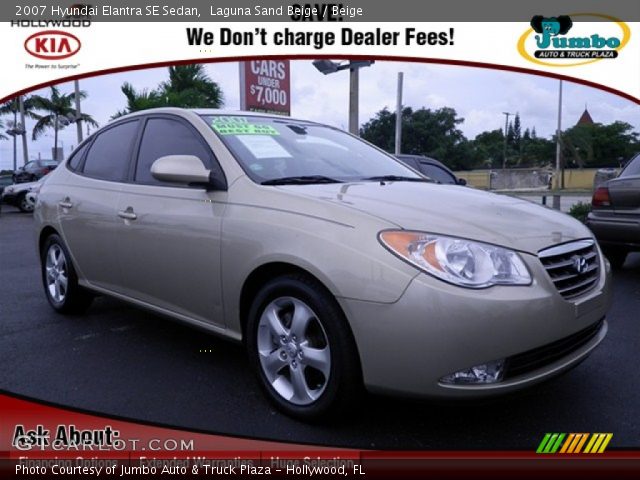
<point x="52" y="45"/>
<point x="580" y="264"/>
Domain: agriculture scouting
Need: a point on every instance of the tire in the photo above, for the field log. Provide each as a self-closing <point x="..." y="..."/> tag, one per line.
<point x="310" y="370"/>
<point x="616" y="257"/>
<point x="60" y="280"/>
<point x="25" y="205"/>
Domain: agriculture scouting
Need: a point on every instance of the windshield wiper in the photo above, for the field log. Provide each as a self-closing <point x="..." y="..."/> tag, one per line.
<point x="301" y="180"/>
<point x="397" y="178"/>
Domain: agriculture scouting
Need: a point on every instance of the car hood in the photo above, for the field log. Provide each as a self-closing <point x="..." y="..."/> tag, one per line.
<point x="453" y="210"/>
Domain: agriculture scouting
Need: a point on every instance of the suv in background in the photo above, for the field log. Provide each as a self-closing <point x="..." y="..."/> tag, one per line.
<point x="432" y="168"/>
<point x="34" y="170"/>
<point x="615" y="214"/>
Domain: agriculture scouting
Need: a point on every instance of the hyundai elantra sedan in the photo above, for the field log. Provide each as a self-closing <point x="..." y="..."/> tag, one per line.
<point x="337" y="266"/>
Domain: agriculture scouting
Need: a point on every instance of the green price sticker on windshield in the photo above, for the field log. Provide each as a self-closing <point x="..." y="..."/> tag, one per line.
<point x="242" y="128"/>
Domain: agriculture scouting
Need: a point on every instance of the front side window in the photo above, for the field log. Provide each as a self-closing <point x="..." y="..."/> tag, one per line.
<point x="272" y="148"/>
<point x="164" y="136"/>
<point x="109" y="156"/>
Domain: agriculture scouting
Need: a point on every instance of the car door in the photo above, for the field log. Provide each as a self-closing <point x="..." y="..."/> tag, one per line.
<point x="169" y="234"/>
<point x="87" y="204"/>
<point x="624" y="192"/>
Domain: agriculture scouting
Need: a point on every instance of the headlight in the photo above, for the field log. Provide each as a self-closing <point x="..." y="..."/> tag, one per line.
<point x="8" y="190"/>
<point x="458" y="261"/>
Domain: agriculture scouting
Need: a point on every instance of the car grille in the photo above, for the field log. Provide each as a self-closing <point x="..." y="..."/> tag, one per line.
<point x="542" y="356"/>
<point x="573" y="267"/>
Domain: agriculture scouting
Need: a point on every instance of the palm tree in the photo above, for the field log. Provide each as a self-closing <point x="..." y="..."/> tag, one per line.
<point x="2" y="135"/>
<point x="139" y="100"/>
<point x="16" y="128"/>
<point x="188" y="86"/>
<point x="59" y="113"/>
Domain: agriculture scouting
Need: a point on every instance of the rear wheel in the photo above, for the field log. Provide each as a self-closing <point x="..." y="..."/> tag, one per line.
<point x="302" y="350"/>
<point x="616" y="256"/>
<point x="60" y="280"/>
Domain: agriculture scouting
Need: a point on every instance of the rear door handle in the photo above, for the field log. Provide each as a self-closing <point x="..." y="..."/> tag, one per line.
<point x="66" y="203"/>
<point x="127" y="214"/>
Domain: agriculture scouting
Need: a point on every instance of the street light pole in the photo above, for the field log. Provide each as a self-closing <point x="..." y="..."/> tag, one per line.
<point x="327" y="66"/>
<point x="506" y="126"/>
<point x="559" y="183"/>
<point x="354" y="94"/>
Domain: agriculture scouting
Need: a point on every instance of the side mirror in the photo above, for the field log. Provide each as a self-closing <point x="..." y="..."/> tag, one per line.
<point x="461" y="181"/>
<point x="187" y="169"/>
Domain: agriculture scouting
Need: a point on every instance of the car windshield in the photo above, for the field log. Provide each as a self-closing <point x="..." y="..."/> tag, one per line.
<point x="274" y="150"/>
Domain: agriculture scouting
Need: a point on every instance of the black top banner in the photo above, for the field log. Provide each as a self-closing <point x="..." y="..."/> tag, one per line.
<point x="44" y="13"/>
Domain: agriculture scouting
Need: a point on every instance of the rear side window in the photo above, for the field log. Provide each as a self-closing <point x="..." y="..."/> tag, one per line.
<point x="164" y="136"/>
<point x="108" y="158"/>
<point x="76" y="157"/>
<point x="633" y="168"/>
<point x="436" y="173"/>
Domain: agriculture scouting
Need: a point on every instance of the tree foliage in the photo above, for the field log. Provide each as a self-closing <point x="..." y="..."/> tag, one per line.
<point x="437" y="134"/>
<point x="188" y="86"/>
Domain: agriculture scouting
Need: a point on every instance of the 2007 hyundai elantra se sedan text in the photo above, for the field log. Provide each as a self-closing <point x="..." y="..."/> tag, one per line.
<point x="335" y="264"/>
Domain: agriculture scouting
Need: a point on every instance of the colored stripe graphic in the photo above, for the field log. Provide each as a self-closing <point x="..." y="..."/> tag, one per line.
<point x="572" y="443"/>
<point x="550" y="443"/>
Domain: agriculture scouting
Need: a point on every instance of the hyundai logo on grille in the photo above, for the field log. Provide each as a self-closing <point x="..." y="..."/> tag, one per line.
<point x="580" y="264"/>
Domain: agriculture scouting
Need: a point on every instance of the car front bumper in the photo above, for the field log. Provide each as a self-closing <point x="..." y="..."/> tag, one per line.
<point x="436" y="329"/>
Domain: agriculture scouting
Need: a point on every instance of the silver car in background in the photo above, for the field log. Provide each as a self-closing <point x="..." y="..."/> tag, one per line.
<point x="336" y="265"/>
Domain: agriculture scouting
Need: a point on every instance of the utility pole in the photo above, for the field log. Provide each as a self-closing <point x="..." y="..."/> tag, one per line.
<point x="399" y="115"/>
<point x="506" y="126"/>
<point x="15" y="129"/>
<point x="559" y="183"/>
<point x="25" y="151"/>
<point x="78" y="114"/>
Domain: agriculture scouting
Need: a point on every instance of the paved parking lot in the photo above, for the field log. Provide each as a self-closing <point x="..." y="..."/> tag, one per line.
<point x="122" y="361"/>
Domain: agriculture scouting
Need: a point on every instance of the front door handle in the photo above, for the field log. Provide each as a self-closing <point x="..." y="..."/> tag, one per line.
<point x="66" y="203"/>
<point x="127" y="214"/>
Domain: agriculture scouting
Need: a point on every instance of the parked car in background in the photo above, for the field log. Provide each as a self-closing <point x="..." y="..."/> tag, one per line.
<point x="5" y="181"/>
<point x="335" y="264"/>
<point x="22" y="195"/>
<point x="615" y="214"/>
<point x="432" y="168"/>
<point x="34" y="170"/>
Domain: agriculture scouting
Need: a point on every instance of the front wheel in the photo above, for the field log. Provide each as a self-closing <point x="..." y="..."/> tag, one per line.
<point x="24" y="204"/>
<point x="302" y="349"/>
<point x="60" y="280"/>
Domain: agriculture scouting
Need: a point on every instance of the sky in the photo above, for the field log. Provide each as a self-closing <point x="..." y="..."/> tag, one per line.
<point x="478" y="95"/>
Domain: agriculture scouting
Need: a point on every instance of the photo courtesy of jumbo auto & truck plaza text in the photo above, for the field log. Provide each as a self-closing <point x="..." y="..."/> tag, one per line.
<point x="332" y="239"/>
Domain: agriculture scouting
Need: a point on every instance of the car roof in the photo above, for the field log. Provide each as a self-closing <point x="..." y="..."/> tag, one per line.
<point x="214" y="111"/>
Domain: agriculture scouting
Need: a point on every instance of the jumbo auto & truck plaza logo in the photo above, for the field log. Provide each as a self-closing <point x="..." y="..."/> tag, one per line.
<point x="567" y="40"/>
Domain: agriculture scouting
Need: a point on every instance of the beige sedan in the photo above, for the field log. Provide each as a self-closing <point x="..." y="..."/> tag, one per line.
<point x="336" y="265"/>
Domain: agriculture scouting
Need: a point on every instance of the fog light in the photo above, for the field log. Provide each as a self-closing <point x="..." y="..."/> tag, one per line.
<point x="490" y="372"/>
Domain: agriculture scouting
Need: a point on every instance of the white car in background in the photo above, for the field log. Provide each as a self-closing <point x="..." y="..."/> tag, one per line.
<point x="22" y="195"/>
